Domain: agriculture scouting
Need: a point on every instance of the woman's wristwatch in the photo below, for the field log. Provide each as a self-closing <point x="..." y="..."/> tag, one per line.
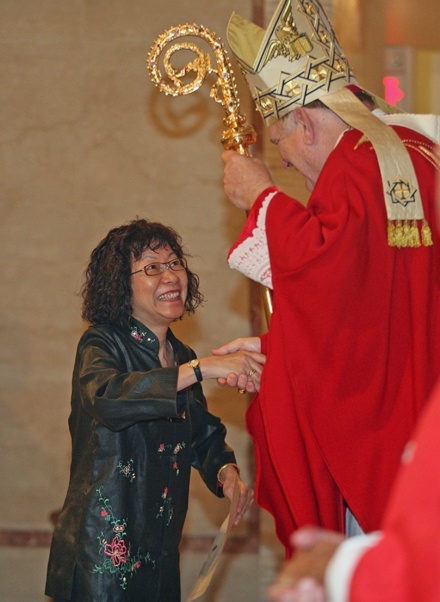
<point x="195" y="365"/>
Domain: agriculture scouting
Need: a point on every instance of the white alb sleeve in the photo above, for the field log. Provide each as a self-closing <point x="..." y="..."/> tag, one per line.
<point x="343" y="563"/>
<point x="251" y="255"/>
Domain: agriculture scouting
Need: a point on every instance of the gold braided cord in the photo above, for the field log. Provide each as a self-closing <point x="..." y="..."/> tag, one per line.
<point x="428" y="153"/>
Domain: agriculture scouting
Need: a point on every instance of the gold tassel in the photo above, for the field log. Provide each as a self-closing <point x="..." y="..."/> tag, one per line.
<point x="406" y="234"/>
<point x="391" y="234"/>
<point x="414" y="235"/>
<point x="399" y="234"/>
<point x="426" y="234"/>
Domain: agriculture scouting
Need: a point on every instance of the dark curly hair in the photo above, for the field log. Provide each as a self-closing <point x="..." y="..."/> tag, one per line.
<point x="107" y="288"/>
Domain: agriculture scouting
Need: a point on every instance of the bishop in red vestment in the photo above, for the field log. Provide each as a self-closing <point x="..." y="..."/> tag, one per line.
<point x="353" y="347"/>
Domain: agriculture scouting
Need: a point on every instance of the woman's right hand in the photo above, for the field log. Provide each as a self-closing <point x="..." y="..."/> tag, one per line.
<point x="236" y="364"/>
<point x="242" y="380"/>
<point x="241" y="369"/>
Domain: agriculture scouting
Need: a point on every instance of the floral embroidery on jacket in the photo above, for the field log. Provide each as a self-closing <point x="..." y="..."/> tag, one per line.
<point x="118" y="557"/>
<point x="139" y="335"/>
<point x="173" y="456"/>
<point x="167" y="507"/>
<point x="127" y="470"/>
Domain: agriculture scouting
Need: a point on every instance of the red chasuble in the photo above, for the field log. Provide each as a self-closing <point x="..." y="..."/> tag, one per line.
<point x="353" y="347"/>
<point x="404" y="565"/>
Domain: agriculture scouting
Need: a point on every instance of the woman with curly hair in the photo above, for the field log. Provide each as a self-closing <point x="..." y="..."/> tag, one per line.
<point x="138" y="422"/>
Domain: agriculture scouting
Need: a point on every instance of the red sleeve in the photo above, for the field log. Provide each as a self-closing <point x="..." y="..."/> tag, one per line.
<point x="404" y="566"/>
<point x="382" y="574"/>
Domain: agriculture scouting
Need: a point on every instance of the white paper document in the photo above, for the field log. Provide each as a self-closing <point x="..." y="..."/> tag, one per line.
<point x="211" y="561"/>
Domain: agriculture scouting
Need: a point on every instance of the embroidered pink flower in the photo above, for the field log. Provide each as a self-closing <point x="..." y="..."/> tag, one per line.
<point x="104" y="513"/>
<point x="161" y="447"/>
<point x="136" y="334"/>
<point x="165" y="493"/>
<point x="117" y="551"/>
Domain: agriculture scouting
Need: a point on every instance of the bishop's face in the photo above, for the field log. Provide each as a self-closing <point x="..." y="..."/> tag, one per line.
<point x="305" y="138"/>
<point x="289" y="137"/>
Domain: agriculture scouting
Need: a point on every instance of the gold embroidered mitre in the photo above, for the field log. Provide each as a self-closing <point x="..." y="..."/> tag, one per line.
<point x="298" y="60"/>
<point x="295" y="61"/>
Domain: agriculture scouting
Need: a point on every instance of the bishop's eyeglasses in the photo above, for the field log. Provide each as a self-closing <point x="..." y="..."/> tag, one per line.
<point x="158" y="267"/>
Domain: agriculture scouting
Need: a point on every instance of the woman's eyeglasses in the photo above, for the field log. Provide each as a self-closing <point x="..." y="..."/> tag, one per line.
<point x="158" y="267"/>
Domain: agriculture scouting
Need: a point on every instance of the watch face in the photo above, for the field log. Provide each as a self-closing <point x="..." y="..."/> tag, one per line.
<point x="195" y="366"/>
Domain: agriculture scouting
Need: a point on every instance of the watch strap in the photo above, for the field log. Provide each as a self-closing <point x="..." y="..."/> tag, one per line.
<point x="195" y="366"/>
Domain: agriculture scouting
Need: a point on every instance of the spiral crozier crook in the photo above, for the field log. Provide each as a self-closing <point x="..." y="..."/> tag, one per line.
<point x="237" y="136"/>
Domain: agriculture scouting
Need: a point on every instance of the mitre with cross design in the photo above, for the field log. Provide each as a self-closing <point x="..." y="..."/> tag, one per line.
<point x="297" y="60"/>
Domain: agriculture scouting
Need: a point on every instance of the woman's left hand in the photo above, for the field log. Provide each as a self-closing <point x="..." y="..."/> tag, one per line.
<point x="246" y="493"/>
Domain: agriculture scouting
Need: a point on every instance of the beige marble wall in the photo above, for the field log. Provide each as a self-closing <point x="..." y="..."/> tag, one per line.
<point x="88" y="143"/>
